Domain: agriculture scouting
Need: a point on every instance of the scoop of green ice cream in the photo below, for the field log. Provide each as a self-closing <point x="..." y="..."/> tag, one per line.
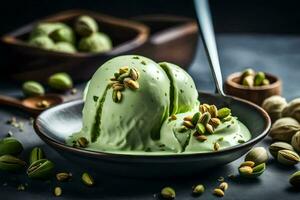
<point x="134" y="122"/>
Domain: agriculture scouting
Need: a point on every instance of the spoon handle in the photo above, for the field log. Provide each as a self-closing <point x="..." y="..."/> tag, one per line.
<point x="209" y="41"/>
<point x="10" y="101"/>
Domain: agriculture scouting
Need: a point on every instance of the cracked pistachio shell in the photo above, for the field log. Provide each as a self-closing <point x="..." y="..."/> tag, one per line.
<point x="277" y="146"/>
<point x="287" y="157"/>
<point x="40" y="169"/>
<point x="11" y="163"/>
<point x="292" y="109"/>
<point x="296" y="141"/>
<point x="295" y="179"/>
<point x="60" y="81"/>
<point x="257" y="155"/>
<point x="284" y="128"/>
<point x="274" y="106"/>
<point x="10" y="146"/>
<point x="32" y="88"/>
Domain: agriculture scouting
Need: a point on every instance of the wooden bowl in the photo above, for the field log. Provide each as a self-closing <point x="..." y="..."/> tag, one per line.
<point x="254" y="94"/>
<point x="26" y="62"/>
<point x="172" y="39"/>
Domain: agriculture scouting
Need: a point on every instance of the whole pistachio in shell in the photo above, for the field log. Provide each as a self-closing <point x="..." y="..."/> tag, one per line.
<point x="295" y="179"/>
<point x="274" y="106"/>
<point x="296" y="141"/>
<point x="32" y="88"/>
<point x="10" y="146"/>
<point x="283" y="129"/>
<point x="287" y="157"/>
<point x="277" y="146"/>
<point x="257" y="155"/>
<point x="292" y="109"/>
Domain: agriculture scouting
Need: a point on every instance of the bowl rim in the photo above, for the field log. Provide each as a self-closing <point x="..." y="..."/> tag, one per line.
<point x="275" y="84"/>
<point x="141" y="37"/>
<point x="110" y="155"/>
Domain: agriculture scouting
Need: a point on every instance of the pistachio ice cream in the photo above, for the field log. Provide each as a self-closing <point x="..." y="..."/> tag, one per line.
<point x="134" y="105"/>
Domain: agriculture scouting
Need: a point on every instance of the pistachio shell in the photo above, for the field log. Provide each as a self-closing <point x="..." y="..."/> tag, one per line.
<point x="60" y="81"/>
<point x="218" y="192"/>
<point x="32" y="88"/>
<point x="274" y="106"/>
<point x="40" y="169"/>
<point x="10" y="146"/>
<point x="205" y="118"/>
<point x="296" y="141"/>
<point x="11" y="163"/>
<point x="277" y="146"/>
<point x="283" y="129"/>
<point x="168" y="193"/>
<point x="288" y="157"/>
<point x="198" y="189"/>
<point x="258" y="155"/>
<point x="295" y="179"/>
<point x="292" y="109"/>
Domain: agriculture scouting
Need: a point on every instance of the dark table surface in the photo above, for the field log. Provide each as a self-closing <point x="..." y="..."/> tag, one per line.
<point x="279" y="55"/>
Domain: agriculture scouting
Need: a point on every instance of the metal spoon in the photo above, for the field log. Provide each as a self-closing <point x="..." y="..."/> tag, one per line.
<point x="209" y="41"/>
<point x="33" y="105"/>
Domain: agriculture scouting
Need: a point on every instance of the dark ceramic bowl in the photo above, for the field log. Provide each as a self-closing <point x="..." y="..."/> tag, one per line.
<point x="57" y="123"/>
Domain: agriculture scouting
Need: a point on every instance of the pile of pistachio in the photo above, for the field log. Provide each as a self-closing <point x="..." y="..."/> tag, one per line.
<point x="59" y="81"/>
<point x="250" y="78"/>
<point x="57" y="36"/>
<point x="124" y="78"/>
<point x="205" y="122"/>
<point x="285" y="132"/>
<point x="38" y="167"/>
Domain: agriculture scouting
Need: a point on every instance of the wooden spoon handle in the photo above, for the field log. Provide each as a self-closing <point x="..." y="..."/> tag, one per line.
<point x="10" y="101"/>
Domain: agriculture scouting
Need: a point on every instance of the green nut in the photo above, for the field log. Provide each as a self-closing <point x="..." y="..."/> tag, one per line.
<point x="45" y="28"/>
<point x="248" y="81"/>
<point x="11" y="163"/>
<point x="196" y="118"/>
<point x="10" y="146"/>
<point x="257" y="155"/>
<point x="277" y="146"/>
<point x="168" y="193"/>
<point x="198" y="189"/>
<point x="64" y="47"/>
<point x="295" y="179"/>
<point x="95" y="43"/>
<point x="258" y="170"/>
<point x="200" y="128"/>
<point x="248" y="72"/>
<point x="87" y="179"/>
<point x="224" y="112"/>
<point x="40" y="169"/>
<point x="258" y="79"/>
<point x="85" y="26"/>
<point x="205" y="118"/>
<point x="43" y="42"/>
<point x="33" y="88"/>
<point x="288" y="157"/>
<point x="60" y="81"/>
<point x="265" y="82"/>
<point x="65" y="34"/>
<point x="36" y="154"/>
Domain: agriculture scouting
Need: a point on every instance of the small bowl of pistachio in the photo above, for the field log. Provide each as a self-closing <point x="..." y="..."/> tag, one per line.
<point x="251" y="85"/>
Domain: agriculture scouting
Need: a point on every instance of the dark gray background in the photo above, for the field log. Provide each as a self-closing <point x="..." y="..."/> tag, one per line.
<point x="279" y="55"/>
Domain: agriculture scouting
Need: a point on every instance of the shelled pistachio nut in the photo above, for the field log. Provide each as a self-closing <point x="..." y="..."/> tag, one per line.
<point x="277" y="146"/>
<point x="257" y="155"/>
<point x="57" y="191"/>
<point x="32" y="88"/>
<point x="85" y="25"/>
<point x="288" y="157"/>
<point x="196" y="117"/>
<point x="252" y="172"/>
<point x="40" y="169"/>
<point x="87" y="179"/>
<point x="218" y="192"/>
<point x="292" y="109"/>
<point x="198" y="189"/>
<point x="60" y="81"/>
<point x="224" y="112"/>
<point x="200" y="128"/>
<point x="296" y="141"/>
<point x="10" y="145"/>
<point x="274" y="106"/>
<point x="11" y="163"/>
<point x="168" y="193"/>
<point x="36" y="154"/>
<point x="258" y="78"/>
<point x="295" y="179"/>
<point x="284" y="128"/>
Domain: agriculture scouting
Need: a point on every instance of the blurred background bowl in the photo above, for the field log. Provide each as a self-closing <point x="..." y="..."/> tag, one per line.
<point x="254" y="94"/>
